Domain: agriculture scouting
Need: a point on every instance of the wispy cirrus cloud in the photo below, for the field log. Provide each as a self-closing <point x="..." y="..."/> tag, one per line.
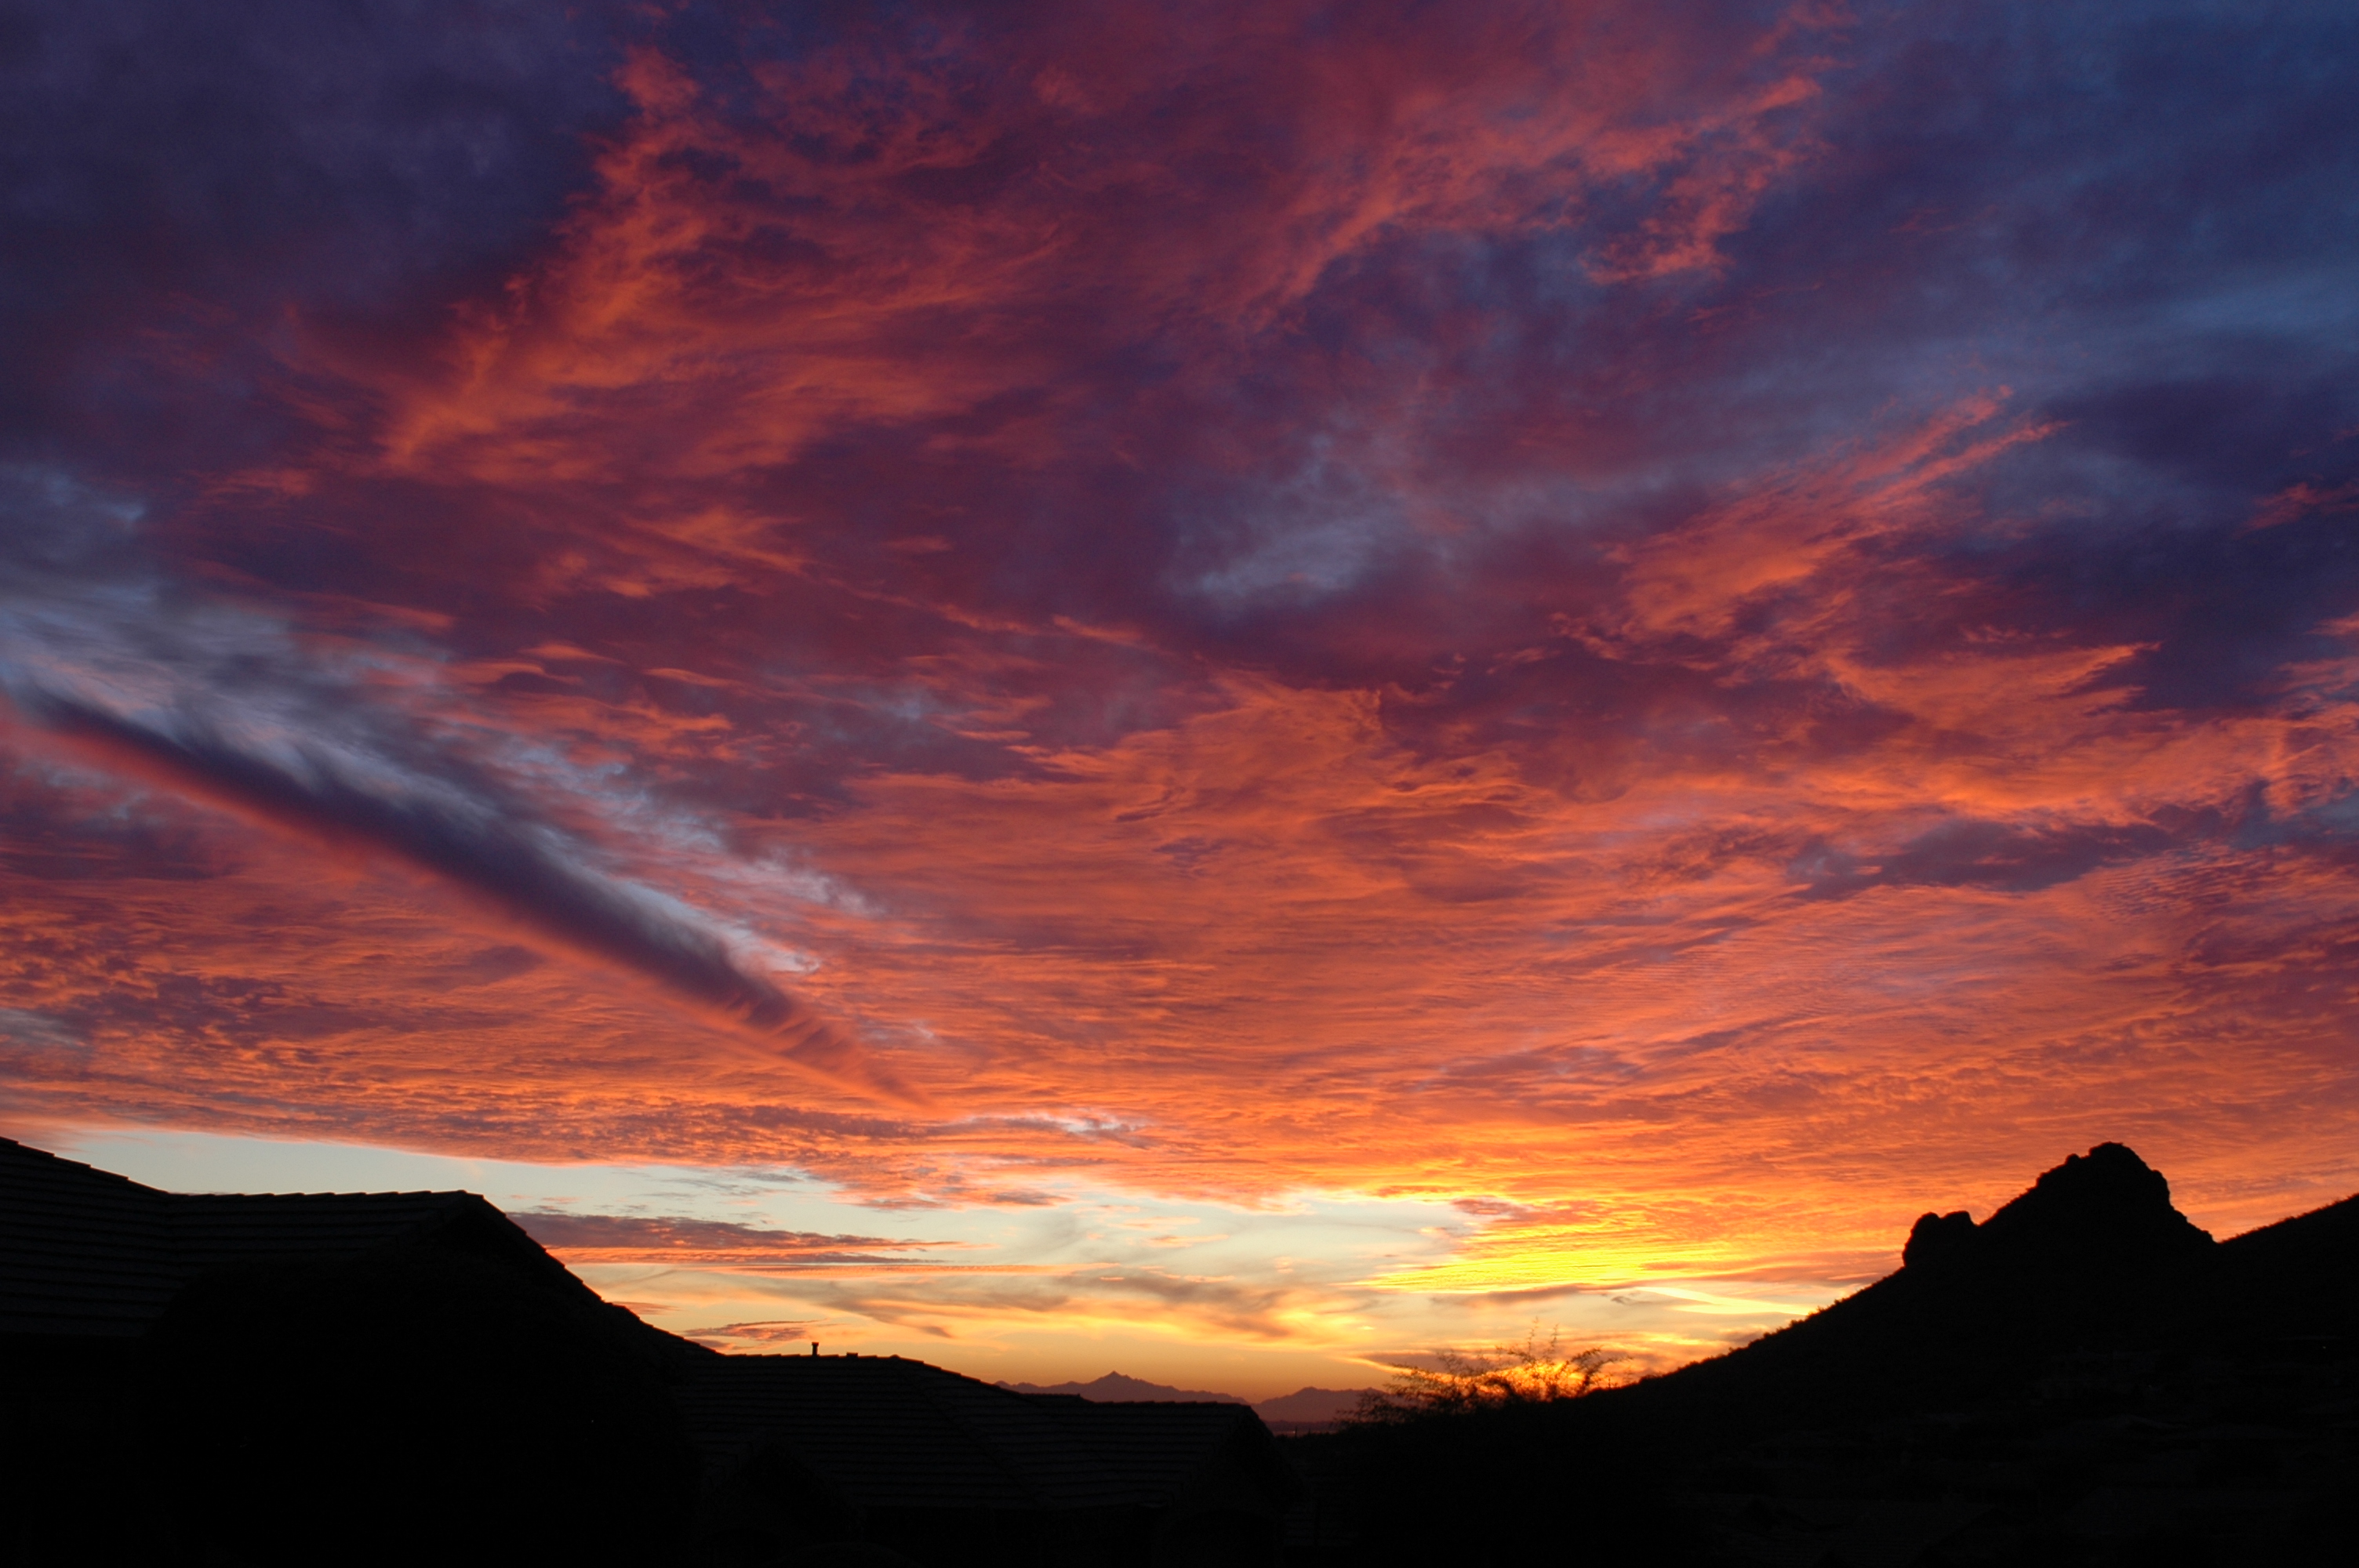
<point x="678" y="1242"/>
<point x="324" y="736"/>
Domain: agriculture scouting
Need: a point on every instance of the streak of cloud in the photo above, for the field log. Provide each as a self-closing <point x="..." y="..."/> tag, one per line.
<point x="680" y="1242"/>
<point x="231" y="707"/>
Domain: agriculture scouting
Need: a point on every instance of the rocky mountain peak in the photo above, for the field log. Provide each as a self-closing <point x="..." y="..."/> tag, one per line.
<point x="2107" y="1209"/>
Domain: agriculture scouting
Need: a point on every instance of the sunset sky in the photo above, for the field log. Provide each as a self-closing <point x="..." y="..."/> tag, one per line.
<point x="1227" y="690"/>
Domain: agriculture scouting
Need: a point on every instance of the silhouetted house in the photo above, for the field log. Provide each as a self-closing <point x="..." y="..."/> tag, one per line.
<point x="86" y="1254"/>
<point x="800" y="1450"/>
<point x="276" y="1378"/>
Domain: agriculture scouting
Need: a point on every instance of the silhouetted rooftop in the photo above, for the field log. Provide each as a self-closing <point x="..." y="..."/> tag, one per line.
<point x="84" y="1251"/>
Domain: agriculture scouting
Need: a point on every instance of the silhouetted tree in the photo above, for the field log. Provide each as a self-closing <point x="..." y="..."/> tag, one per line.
<point x="1496" y="1456"/>
<point x="1532" y="1373"/>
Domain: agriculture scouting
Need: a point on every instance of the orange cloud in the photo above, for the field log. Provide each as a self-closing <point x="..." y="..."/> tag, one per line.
<point x="1472" y="609"/>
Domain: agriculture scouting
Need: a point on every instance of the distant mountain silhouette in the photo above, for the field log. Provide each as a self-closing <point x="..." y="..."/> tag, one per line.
<point x="1305" y="1410"/>
<point x="1115" y="1387"/>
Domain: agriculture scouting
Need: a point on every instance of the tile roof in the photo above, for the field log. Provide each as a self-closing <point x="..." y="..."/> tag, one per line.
<point x="213" y="1230"/>
<point x="85" y="1252"/>
<point x="82" y="1252"/>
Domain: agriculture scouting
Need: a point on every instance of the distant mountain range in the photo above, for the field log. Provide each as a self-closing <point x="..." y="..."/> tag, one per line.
<point x="1300" y="1410"/>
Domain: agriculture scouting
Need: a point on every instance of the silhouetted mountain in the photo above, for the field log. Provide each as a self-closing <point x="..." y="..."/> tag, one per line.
<point x="1305" y="1410"/>
<point x="2087" y="1260"/>
<point x="2109" y="1212"/>
<point x="1115" y="1387"/>
<point x="2085" y="1377"/>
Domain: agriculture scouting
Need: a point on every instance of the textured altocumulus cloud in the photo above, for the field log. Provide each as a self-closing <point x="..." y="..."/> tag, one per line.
<point x="1703" y="623"/>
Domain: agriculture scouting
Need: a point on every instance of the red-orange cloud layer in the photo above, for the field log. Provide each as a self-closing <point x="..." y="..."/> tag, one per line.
<point x="1696" y="627"/>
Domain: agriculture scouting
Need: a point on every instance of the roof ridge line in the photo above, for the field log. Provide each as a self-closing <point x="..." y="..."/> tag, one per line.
<point x="982" y="1440"/>
<point x="23" y="1148"/>
<point x="391" y="1193"/>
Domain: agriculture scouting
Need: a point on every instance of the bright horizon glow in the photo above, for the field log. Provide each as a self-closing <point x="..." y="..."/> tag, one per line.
<point x="1341" y="1317"/>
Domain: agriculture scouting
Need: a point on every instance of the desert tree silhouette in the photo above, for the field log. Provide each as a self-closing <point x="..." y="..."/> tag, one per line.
<point x="1534" y="1372"/>
<point x="1493" y="1456"/>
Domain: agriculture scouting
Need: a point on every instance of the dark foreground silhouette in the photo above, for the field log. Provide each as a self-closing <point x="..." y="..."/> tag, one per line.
<point x="399" y="1377"/>
<point x="407" y="1378"/>
<point x="2085" y="1377"/>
